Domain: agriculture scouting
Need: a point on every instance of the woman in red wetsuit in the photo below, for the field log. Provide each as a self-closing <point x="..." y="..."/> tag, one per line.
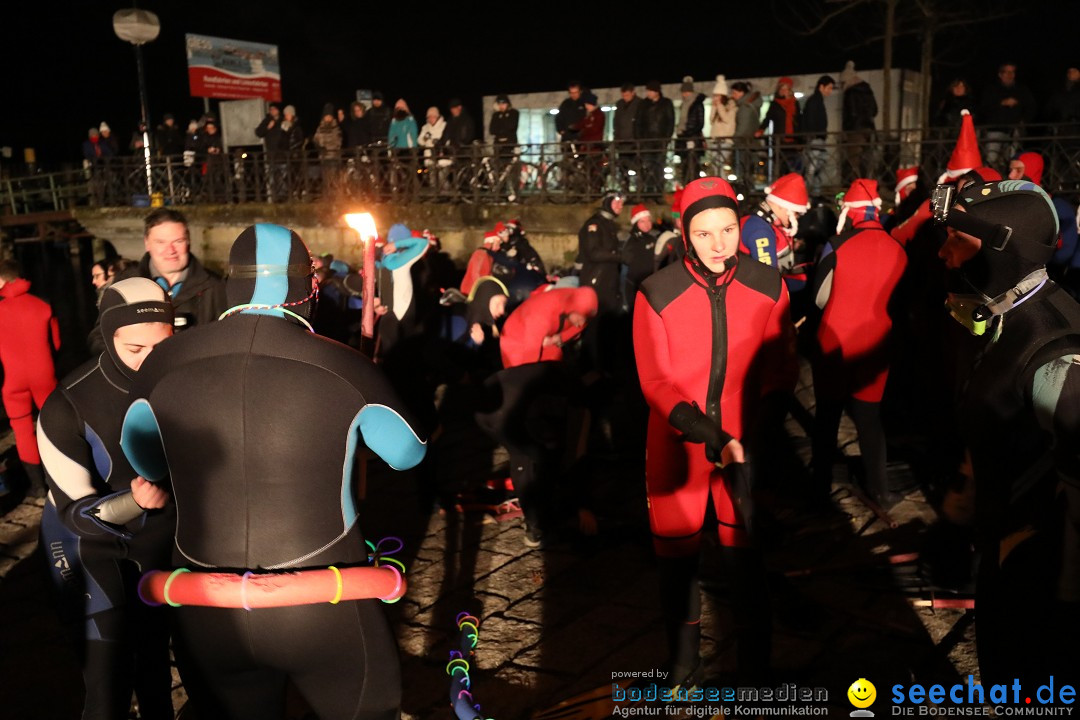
<point x="714" y="343"/>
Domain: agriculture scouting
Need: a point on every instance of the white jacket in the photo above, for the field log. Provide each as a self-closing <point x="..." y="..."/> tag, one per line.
<point x="723" y="120"/>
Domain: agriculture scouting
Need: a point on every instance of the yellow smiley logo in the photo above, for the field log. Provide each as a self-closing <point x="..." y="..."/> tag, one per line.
<point x="862" y="693"/>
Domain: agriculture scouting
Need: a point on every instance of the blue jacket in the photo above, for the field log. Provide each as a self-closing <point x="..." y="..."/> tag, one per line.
<point x="403" y="133"/>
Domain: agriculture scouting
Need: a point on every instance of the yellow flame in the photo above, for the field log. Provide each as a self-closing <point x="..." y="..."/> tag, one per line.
<point x="362" y="223"/>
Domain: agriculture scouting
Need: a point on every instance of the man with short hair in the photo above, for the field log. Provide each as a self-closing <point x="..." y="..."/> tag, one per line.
<point x="654" y="126"/>
<point x="815" y="123"/>
<point x="691" y="133"/>
<point x="28" y="335"/>
<point x="1005" y="107"/>
<point x="571" y="112"/>
<point x="197" y="295"/>
<point x="503" y="129"/>
<point x="626" y="114"/>
<point x="169" y="138"/>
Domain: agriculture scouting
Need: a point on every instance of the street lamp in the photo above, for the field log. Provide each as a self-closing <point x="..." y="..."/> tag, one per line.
<point x="364" y="225"/>
<point x="139" y="27"/>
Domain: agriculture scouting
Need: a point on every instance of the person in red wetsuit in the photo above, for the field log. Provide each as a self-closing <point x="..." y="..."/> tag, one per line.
<point x="546" y="321"/>
<point x="28" y="336"/>
<point x="525" y="405"/>
<point x="481" y="261"/>
<point x="715" y="351"/>
<point x="856" y="277"/>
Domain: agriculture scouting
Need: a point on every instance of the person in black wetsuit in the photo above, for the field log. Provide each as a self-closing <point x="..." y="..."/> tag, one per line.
<point x="262" y="472"/>
<point x="102" y="523"/>
<point x="1019" y="422"/>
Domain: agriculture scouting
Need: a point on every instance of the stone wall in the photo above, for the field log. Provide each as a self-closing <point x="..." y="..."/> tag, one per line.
<point x="552" y="229"/>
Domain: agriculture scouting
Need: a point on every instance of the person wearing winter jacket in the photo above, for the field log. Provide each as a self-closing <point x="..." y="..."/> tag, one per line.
<point x="722" y="121"/>
<point x="784" y="117"/>
<point x="356" y="130"/>
<point x="747" y="118"/>
<point x="655" y="124"/>
<point x="431" y="133"/>
<point x="503" y="128"/>
<point x="691" y="135"/>
<point x="815" y="123"/>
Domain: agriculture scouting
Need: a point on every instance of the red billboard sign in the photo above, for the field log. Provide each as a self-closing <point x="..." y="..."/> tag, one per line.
<point x="233" y="69"/>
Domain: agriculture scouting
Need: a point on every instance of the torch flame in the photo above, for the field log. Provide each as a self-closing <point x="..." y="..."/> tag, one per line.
<point x="362" y="223"/>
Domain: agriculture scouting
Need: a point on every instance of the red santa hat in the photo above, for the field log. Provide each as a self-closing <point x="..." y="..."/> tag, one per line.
<point x="676" y="200"/>
<point x="789" y="191"/>
<point x="965" y="156"/>
<point x="906" y="177"/>
<point x="863" y="193"/>
<point x="1033" y="166"/>
<point x="500" y="228"/>
<point x="638" y="213"/>
<point x="491" y="237"/>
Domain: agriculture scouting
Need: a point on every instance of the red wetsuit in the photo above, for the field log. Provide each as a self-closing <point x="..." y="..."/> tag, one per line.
<point x="480" y="264"/>
<point x="724" y="349"/>
<point x="28" y="335"/>
<point x="541" y="315"/>
<point x="858" y="272"/>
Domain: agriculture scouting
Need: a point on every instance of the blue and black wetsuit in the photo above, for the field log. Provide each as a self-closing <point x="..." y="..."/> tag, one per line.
<point x="96" y="539"/>
<point x="262" y="472"/>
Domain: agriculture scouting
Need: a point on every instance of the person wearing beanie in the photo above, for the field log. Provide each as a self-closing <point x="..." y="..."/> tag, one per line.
<point x="262" y="471"/>
<point x="860" y="109"/>
<point x="815" y="123"/>
<point x="598" y="250"/>
<point x="691" y="134"/>
<point x="1019" y="426"/>
<point x="784" y="119"/>
<point x="396" y="287"/>
<point x="853" y="285"/>
<point x="503" y="129"/>
<point x="722" y="120"/>
<point x="768" y="233"/>
<point x="197" y="294"/>
<point x="431" y="134"/>
<point x="106" y="524"/>
<point x="655" y="125"/>
<point x="571" y="112"/>
<point x="705" y="421"/>
<point x="379" y="117"/>
<point x="639" y="253"/>
<point x="403" y="134"/>
<point x="29" y="334"/>
<point x="109" y="146"/>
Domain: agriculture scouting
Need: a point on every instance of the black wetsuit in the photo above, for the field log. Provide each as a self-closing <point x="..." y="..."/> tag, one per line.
<point x="262" y="469"/>
<point x="97" y="542"/>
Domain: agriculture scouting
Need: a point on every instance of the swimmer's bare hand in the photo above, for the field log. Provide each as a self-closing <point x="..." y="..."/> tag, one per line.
<point x="147" y="495"/>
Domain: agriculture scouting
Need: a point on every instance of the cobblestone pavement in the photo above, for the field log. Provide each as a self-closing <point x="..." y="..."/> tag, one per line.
<point x="560" y="621"/>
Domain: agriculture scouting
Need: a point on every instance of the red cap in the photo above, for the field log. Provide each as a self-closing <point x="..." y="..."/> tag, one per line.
<point x="789" y="191"/>
<point x="500" y="228"/>
<point x="491" y="237"/>
<point x="785" y="81"/>
<point x="676" y="199"/>
<point x="639" y="212"/>
<point x="863" y="193"/>
<point x="1033" y="166"/>
<point x="703" y="194"/>
<point x="906" y="177"/>
<point x="965" y="156"/>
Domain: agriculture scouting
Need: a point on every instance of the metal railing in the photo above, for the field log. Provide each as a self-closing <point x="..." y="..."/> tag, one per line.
<point x="543" y="173"/>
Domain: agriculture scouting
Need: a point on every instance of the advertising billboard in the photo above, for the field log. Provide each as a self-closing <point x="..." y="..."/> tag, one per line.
<point x="233" y="69"/>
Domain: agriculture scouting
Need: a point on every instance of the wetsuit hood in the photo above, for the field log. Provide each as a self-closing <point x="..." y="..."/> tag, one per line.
<point x="479" y="308"/>
<point x="1018" y="227"/>
<point x="15" y="288"/>
<point x="271" y="273"/>
<point x="130" y="302"/>
<point x="704" y="194"/>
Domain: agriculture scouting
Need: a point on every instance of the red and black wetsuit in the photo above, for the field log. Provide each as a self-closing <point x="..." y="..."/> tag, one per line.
<point x="745" y="352"/>
<point x="855" y="281"/>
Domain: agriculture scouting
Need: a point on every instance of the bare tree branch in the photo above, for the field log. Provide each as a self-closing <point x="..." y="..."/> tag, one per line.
<point x="847" y="6"/>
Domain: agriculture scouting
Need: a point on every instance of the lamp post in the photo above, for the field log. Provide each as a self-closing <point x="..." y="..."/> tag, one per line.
<point x="139" y="27"/>
<point x="364" y="225"/>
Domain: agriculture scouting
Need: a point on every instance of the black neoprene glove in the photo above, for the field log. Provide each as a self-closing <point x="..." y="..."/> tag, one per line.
<point x="696" y="427"/>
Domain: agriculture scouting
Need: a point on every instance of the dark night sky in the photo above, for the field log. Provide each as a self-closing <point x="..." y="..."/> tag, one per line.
<point x="65" y="70"/>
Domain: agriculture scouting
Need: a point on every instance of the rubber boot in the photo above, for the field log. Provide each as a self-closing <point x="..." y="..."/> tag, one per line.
<point x="680" y="598"/>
